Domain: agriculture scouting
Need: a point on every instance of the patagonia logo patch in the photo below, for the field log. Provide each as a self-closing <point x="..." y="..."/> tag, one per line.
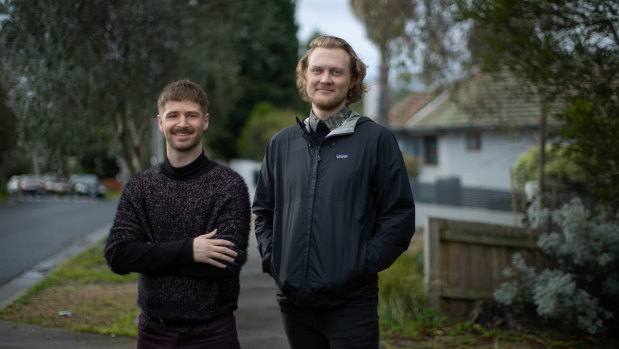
<point x="341" y="156"/>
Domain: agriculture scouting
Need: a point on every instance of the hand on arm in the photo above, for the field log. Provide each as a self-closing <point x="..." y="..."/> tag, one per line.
<point x="212" y="251"/>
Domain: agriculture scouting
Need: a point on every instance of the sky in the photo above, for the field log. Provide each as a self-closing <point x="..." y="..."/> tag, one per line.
<point x="334" y="17"/>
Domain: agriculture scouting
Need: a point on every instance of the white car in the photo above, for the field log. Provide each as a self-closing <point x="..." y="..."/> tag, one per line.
<point x="87" y="184"/>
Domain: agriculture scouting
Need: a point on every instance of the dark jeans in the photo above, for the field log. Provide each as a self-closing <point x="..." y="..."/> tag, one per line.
<point x="353" y="325"/>
<point x="219" y="333"/>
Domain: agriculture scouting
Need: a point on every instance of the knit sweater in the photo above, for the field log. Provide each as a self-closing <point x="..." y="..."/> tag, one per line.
<point x="159" y="214"/>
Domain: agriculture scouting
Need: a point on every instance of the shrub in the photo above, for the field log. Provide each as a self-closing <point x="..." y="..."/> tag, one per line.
<point x="412" y="165"/>
<point x="403" y="304"/>
<point x="581" y="288"/>
<point x="559" y="167"/>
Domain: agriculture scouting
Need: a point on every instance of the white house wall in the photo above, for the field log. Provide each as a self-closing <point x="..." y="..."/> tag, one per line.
<point x="487" y="168"/>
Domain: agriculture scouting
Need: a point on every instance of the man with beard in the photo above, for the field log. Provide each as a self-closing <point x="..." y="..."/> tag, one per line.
<point x="333" y="206"/>
<point x="184" y="226"/>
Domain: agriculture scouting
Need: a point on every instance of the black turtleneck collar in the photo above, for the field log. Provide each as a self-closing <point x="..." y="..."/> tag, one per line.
<point x="196" y="168"/>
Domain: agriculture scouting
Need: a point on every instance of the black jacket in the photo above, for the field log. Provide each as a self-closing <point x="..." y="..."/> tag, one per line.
<point x="330" y="216"/>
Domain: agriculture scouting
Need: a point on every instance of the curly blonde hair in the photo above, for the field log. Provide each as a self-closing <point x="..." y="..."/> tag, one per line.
<point x="357" y="68"/>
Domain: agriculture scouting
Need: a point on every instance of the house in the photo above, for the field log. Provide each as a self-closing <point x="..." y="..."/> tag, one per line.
<point x="468" y="137"/>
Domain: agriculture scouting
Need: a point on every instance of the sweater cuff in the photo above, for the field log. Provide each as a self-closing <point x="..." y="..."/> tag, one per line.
<point x="186" y="252"/>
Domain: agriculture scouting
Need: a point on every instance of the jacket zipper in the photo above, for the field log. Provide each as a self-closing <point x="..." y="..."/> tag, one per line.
<point x="308" y="237"/>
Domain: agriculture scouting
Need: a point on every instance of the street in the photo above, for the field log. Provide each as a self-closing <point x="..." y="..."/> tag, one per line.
<point x="33" y="230"/>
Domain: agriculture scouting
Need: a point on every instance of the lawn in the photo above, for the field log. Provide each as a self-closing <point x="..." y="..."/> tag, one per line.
<point x="81" y="295"/>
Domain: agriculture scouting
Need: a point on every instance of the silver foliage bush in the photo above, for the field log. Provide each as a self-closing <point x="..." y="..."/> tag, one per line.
<point x="580" y="289"/>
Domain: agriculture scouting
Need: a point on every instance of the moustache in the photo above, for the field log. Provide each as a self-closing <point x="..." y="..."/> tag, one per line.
<point x="184" y="130"/>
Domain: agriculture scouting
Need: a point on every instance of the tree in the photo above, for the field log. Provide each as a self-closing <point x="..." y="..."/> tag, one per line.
<point x="84" y="73"/>
<point x="385" y="22"/>
<point x="8" y="138"/>
<point x="264" y="122"/>
<point x="267" y="50"/>
<point x="416" y="38"/>
<point x="567" y="48"/>
<point x="87" y="70"/>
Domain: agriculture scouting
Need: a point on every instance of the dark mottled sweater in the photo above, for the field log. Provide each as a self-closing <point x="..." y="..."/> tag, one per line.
<point x="160" y="212"/>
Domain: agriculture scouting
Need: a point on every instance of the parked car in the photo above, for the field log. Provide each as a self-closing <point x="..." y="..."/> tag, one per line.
<point x="56" y="185"/>
<point x="86" y="184"/>
<point x="12" y="186"/>
<point x="30" y="185"/>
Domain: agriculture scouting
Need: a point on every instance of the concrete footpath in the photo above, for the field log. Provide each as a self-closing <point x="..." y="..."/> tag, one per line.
<point x="258" y="318"/>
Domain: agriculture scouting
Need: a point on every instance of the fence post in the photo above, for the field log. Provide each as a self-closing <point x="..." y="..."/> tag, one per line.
<point x="431" y="260"/>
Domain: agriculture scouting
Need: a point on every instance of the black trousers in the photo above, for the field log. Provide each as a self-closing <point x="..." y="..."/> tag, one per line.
<point x="217" y="334"/>
<point x="350" y="326"/>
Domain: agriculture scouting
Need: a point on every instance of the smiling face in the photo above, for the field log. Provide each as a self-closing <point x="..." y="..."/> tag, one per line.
<point x="328" y="80"/>
<point x="182" y="124"/>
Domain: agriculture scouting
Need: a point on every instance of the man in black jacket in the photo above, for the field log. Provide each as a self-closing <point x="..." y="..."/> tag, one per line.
<point x="184" y="226"/>
<point x="333" y="207"/>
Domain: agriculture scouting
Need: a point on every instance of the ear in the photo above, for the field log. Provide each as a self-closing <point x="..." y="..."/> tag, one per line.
<point x="160" y="121"/>
<point x="207" y="117"/>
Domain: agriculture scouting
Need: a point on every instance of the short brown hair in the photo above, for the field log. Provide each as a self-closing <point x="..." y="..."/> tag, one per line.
<point x="182" y="90"/>
<point x="357" y="67"/>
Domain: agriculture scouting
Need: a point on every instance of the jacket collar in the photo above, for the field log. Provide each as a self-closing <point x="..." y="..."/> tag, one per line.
<point x="347" y="127"/>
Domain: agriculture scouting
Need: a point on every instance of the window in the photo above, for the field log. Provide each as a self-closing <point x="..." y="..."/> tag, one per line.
<point x="430" y="150"/>
<point x="473" y="141"/>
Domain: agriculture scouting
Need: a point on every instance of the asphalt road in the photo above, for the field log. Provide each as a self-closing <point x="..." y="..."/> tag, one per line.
<point x="34" y="229"/>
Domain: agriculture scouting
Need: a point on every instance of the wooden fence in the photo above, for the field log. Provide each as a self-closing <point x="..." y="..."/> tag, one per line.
<point x="464" y="261"/>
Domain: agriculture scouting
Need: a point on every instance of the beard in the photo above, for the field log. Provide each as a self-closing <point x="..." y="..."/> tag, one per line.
<point x="194" y="141"/>
<point x="330" y="103"/>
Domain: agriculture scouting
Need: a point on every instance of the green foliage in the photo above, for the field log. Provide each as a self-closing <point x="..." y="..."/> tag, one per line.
<point x="403" y="305"/>
<point x="84" y="75"/>
<point x="559" y="166"/>
<point x="263" y="123"/>
<point x="582" y="289"/>
<point x="591" y="129"/>
<point x="412" y="165"/>
<point x="267" y="52"/>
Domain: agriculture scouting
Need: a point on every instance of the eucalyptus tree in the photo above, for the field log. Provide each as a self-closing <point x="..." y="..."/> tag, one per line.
<point x="385" y="24"/>
<point x="83" y="70"/>
<point x="87" y="73"/>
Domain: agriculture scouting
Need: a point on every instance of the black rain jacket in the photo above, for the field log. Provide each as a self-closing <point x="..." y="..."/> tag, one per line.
<point x="330" y="216"/>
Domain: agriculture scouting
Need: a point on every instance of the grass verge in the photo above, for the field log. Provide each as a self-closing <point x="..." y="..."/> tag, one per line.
<point x="83" y="295"/>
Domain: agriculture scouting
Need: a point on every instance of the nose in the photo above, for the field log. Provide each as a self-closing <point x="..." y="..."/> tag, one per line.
<point x="325" y="78"/>
<point x="183" y="120"/>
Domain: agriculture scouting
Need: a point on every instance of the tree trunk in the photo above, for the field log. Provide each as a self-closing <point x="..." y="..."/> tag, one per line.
<point x="123" y="132"/>
<point x="383" y="99"/>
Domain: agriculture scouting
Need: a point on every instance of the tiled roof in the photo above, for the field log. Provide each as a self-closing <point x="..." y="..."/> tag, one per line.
<point x="401" y="112"/>
<point x="480" y="101"/>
